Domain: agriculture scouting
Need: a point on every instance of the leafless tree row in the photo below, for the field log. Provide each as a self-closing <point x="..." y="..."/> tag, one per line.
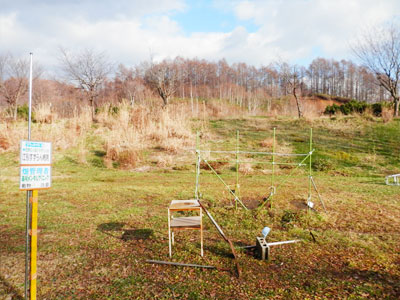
<point x="92" y="78"/>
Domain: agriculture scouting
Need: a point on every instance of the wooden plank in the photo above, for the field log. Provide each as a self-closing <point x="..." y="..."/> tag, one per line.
<point x="194" y="221"/>
<point x="184" y="204"/>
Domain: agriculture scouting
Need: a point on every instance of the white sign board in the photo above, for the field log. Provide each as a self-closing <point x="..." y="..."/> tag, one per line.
<point x="35" y="177"/>
<point x="35" y="153"/>
<point x="35" y="165"/>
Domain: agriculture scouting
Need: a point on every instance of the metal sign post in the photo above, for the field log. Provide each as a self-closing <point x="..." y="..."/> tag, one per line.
<point x="28" y="193"/>
<point x="35" y="174"/>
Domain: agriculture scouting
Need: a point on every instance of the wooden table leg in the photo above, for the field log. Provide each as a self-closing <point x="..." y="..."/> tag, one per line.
<point x="201" y="232"/>
<point x="169" y="234"/>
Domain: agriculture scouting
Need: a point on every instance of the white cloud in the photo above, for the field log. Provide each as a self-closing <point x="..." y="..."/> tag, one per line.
<point x="299" y="25"/>
<point x="130" y="31"/>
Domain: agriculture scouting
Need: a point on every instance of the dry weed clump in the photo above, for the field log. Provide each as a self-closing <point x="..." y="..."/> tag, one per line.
<point x="216" y="165"/>
<point x="44" y="113"/>
<point x="222" y="109"/>
<point x="122" y="146"/>
<point x="246" y="169"/>
<point x="280" y="147"/>
<point x="81" y="121"/>
<point x="164" y="161"/>
<point x="268" y="143"/>
<point x="387" y="114"/>
<point x="133" y="129"/>
<point x="111" y="116"/>
<point x="169" y="129"/>
<point x="82" y="152"/>
<point x="11" y="133"/>
<point x="4" y="143"/>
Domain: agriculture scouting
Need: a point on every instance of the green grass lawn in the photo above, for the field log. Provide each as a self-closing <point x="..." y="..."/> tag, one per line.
<point x="98" y="225"/>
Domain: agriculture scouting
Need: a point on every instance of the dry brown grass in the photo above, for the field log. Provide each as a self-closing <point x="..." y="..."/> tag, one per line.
<point x="82" y="152"/>
<point x="387" y="114"/>
<point x="164" y="161"/>
<point x="220" y="109"/>
<point x="125" y="131"/>
<point x="44" y="114"/>
<point x="280" y="146"/>
<point x="11" y="133"/>
<point x="246" y="168"/>
<point x="268" y="143"/>
<point x="133" y="129"/>
<point x="123" y="147"/>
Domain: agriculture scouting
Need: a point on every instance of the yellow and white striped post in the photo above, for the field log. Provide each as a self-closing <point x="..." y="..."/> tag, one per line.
<point x="33" y="231"/>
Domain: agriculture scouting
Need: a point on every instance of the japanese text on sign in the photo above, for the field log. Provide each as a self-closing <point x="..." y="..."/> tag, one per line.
<point x="35" y="153"/>
<point x="35" y="168"/>
<point x="35" y="177"/>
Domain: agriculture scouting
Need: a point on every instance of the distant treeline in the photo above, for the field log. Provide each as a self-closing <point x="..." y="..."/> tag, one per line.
<point x="248" y="86"/>
<point x="242" y="83"/>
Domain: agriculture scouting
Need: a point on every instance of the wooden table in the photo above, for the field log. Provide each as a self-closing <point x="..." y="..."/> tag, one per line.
<point x="181" y="223"/>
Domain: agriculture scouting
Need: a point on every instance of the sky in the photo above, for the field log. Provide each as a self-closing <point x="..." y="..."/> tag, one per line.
<point x="132" y="31"/>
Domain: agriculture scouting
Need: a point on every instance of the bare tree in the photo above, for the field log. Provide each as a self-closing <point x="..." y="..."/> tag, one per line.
<point x="379" y="51"/>
<point x="292" y="80"/>
<point x="129" y="85"/>
<point x="13" y="81"/>
<point x="89" y="69"/>
<point x="162" y="78"/>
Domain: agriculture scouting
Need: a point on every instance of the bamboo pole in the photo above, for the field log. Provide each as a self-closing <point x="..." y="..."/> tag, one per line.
<point x="196" y="192"/>
<point x="273" y="165"/>
<point x="255" y="152"/>
<point x="257" y="162"/>
<point x="237" y="167"/>
<point x="287" y="177"/>
<point x="310" y="170"/>
<point x="224" y="183"/>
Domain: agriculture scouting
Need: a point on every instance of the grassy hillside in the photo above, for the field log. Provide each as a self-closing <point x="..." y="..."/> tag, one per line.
<point x="100" y="221"/>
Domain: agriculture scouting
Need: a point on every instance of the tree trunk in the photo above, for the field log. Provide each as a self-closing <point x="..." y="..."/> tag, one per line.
<point x="165" y="100"/>
<point x="91" y="103"/>
<point x="396" y="107"/>
<point x="15" y="111"/>
<point x="297" y="103"/>
<point x="191" y="96"/>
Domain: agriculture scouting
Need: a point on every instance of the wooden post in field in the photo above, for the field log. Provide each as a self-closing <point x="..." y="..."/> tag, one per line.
<point x="237" y="168"/>
<point x="310" y="169"/>
<point x="198" y="161"/>
<point x="273" y="166"/>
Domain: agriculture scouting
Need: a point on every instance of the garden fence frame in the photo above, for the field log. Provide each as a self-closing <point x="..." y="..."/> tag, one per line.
<point x="306" y="161"/>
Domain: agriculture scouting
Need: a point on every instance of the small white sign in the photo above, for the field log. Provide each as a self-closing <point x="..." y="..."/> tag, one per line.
<point x="35" y="165"/>
<point x="35" y="177"/>
<point x="35" y="153"/>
